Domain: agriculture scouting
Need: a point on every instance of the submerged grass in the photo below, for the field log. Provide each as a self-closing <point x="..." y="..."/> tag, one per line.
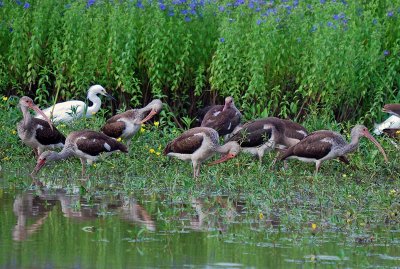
<point x="363" y="195"/>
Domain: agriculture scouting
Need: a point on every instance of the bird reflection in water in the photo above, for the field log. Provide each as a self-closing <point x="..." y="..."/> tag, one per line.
<point x="32" y="209"/>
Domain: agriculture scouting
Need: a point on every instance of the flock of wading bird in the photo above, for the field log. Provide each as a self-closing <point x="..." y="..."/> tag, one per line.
<point x="290" y="139"/>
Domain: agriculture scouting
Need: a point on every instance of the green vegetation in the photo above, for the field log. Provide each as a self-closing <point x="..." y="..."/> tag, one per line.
<point x="282" y="58"/>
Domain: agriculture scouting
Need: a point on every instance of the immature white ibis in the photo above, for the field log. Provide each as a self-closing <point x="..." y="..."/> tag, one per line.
<point x="393" y="109"/>
<point x="222" y="118"/>
<point x="126" y="124"/>
<point x="260" y="136"/>
<point x="74" y="109"/>
<point x="38" y="134"/>
<point x="197" y="145"/>
<point x="324" y="145"/>
<point x="87" y="145"/>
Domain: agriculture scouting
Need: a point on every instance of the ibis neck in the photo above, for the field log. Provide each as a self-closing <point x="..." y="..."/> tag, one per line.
<point x="353" y="145"/>
<point x="95" y="106"/>
<point x="224" y="149"/>
<point x="27" y="116"/>
<point x="63" y="154"/>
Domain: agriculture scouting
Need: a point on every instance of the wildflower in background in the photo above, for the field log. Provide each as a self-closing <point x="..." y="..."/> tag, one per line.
<point x="187" y="19"/>
<point x="156" y="123"/>
<point x="309" y="6"/>
<point x="392" y="192"/>
<point x="171" y="12"/>
<point x="27" y="5"/>
<point x="221" y="8"/>
<point x="259" y="22"/>
<point x="162" y="6"/>
<point x="295" y="3"/>
<point x="314" y="28"/>
<point x="93" y="113"/>
<point x="152" y="151"/>
<point x="322" y="1"/>
<point x="260" y="215"/>
<point x="313" y="226"/>
<point x="140" y="5"/>
<point x="158" y="153"/>
<point x="330" y="24"/>
<point x="222" y="40"/>
<point x="386" y="52"/>
<point x="18" y="2"/>
<point x="374" y="21"/>
<point x="5" y="98"/>
<point x="142" y="129"/>
<point x="90" y="3"/>
<point x="390" y="14"/>
<point x="119" y="139"/>
<point x="1" y="4"/>
<point x="14" y="132"/>
<point x="6" y="159"/>
<point x="184" y="12"/>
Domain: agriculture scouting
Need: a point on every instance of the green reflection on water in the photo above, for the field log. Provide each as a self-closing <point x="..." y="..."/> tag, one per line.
<point x="56" y="230"/>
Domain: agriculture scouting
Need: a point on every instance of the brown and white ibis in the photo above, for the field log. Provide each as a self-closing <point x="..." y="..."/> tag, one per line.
<point x="393" y="109"/>
<point x="87" y="145"/>
<point x="197" y="145"/>
<point x="259" y="136"/>
<point x="324" y="145"/>
<point x="36" y="133"/>
<point x="126" y="124"/>
<point x="74" y="109"/>
<point x="222" y="118"/>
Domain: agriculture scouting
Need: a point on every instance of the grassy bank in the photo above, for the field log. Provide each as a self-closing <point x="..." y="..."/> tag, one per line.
<point x="365" y="193"/>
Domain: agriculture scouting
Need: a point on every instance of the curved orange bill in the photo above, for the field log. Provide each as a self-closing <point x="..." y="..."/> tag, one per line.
<point x="223" y="159"/>
<point x="151" y="114"/>
<point x="37" y="109"/>
<point x="38" y="166"/>
<point x="370" y="137"/>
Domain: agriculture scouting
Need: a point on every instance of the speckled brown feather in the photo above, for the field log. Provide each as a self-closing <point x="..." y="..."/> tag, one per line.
<point x="46" y="135"/>
<point x="187" y="143"/>
<point x="114" y="129"/>
<point x="311" y="146"/>
<point x="92" y="143"/>
<point x="292" y="130"/>
<point x="224" y="122"/>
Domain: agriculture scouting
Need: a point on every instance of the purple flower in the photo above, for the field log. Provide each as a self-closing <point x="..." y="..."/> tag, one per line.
<point x="90" y="3"/>
<point x="322" y="1"/>
<point x="330" y="24"/>
<point x="259" y="22"/>
<point x="184" y="12"/>
<point x="18" y="2"/>
<point x="1" y="4"/>
<point x="161" y="6"/>
<point x="390" y="14"/>
<point x="187" y="19"/>
<point x="386" y="52"/>
<point x="336" y="17"/>
<point x="222" y="40"/>
<point x="314" y="28"/>
<point x="171" y="13"/>
<point x="374" y="21"/>
<point x="309" y="6"/>
<point x="27" y="5"/>
<point x="295" y="3"/>
<point x="221" y="8"/>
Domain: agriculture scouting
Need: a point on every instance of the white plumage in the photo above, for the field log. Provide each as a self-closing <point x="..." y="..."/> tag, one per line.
<point x="74" y="109"/>
<point x="391" y="122"/>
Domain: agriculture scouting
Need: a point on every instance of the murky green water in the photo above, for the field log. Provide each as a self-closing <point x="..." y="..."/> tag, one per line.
<point x="53" y="229"/>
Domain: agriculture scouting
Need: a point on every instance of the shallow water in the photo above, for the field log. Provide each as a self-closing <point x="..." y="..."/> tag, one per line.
<point x="56" y="229"/>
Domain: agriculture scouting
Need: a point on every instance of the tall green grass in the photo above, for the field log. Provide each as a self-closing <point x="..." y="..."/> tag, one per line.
<point x="283" y="58"/>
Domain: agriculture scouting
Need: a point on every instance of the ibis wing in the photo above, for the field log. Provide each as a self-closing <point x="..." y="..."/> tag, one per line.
<point x="94" y="143"/>
<point x="252" y="136"/>
<point x="313" y="146"/>
<point x="114" y="129"/>
<point x="47" y="136"/>
<point x="187" y="143"/>
<point x="127" y="114"/>
<point x="294" y="130"/>
<point x="222" y="121"/>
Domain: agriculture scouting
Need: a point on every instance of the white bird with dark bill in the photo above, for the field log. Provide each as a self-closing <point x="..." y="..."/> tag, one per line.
<point x="87" y="145"/>
<point x="197" y="145"/>
<point x="38" y="134"/>
<point x="74" y="109"/>
<point x="324" y="145"/>
<point x="126" y="124"/>
<point x="222" y="118"/>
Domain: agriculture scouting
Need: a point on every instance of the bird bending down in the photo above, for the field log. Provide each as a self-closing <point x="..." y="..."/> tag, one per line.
<point x="324" y="145"/>
<point x="222" y="118"/>
<point x="74" y="109"/>
<point x="126" y="124"/>
<point x="38" y="134"/>
<point x="259" y="136"/>
<point x="86" y="145"/>
<point x="197" y="145"/>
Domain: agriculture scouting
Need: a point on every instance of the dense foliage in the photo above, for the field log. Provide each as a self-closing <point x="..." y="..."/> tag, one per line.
<point x="285" y="58"/>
